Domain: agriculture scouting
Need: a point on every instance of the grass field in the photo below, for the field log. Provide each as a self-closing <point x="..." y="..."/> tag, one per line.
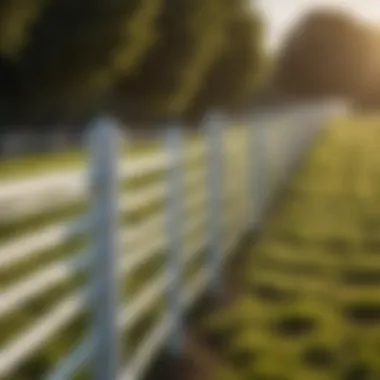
<point x="31" y="165"/>
<point x="309" y="306"/>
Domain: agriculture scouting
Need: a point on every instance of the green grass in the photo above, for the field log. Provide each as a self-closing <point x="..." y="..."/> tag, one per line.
<point x="309" y="308"/>
<point x="27" y="166"/>
<point x="40" y="164"/>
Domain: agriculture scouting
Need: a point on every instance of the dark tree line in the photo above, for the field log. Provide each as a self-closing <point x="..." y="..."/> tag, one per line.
<point x="67" y="60"/>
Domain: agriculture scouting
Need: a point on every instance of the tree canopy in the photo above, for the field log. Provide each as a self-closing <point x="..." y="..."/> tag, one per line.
<point x="236" y="72"/>
<point x="328" y="53"/>
<point x="146" y="59"/>
<point x="203" y="45"/>
<point x="16" y="17"/>
<point x="79" y="49"/>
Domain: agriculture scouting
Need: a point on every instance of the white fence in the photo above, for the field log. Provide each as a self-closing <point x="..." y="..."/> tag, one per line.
<point x="190" y="201"/>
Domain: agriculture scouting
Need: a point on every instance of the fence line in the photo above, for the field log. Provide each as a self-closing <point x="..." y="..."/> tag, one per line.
<point x="104" y="181"/>
<point x="226" y="166"/>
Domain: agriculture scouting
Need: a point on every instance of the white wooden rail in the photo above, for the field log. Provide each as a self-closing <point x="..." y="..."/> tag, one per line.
<point x="212" y="194"/>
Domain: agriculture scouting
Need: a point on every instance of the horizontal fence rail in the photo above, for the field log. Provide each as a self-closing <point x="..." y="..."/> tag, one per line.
<point x="106" y="248"/>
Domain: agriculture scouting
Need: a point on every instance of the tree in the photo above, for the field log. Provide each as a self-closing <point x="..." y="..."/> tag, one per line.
<point x="328" y="53"/>
<point x="16" y="18"/>
<point x="143" y="59"/>
<point x="232" y="79"/>
<point x="190" y="34"/>
<point x="197" y="39"/>
<point x="78" y="50"/>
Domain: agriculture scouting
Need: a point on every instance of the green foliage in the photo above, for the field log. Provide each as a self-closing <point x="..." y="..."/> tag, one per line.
<point x="235" y="73"/>
<point x="145" y="59"/>
<point x="79" y="49"/>
<point x="191" y="34"/>
<point x="16" y="18"/>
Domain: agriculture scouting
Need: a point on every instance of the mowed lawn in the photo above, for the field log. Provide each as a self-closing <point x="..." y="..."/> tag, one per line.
<point x="309" y="307"/>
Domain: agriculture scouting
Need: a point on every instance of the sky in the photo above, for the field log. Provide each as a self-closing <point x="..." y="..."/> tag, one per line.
<point x="282" y="14"/>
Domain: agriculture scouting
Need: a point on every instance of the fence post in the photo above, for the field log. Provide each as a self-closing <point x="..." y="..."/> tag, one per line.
<point x="256" y="173"/>
<point x="215" y="165"/>
<point x="175" y="232"/>
<point x="103" y="137"/>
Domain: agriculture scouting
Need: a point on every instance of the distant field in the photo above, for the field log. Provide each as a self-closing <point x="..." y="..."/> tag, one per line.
<point x="310" y="305"/>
